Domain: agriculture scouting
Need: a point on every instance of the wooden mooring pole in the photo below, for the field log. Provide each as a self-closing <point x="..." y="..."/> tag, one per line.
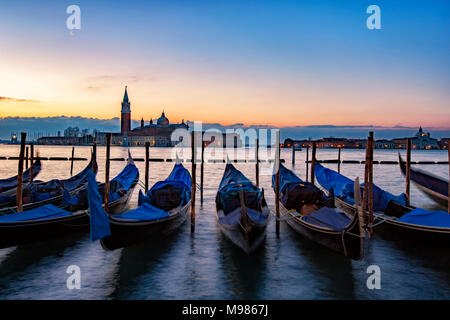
<point x="408" y="171"/>
<point x="94" y="156"/>
<point x="313" y="161"/>
<point x="194" y="182"/>
<point x="108" y="156"/>
<point x="339" y="160"/>
<point x="26" y="158"/>
<point x="277" y="184"/>
<point x="366" y="178"/>
<point x="257" y="162"/>
<point x="71" y="161"/>
<point x="147" y="160"/>
<point x="293" y="154"/>
<point x="23" y="138"/>
<point x="31" y="161"/>
<point x="307" y="163"/>
<point x="202" y="171"/>
<point x="371" y="182"/>
<point x="448" y="194"/>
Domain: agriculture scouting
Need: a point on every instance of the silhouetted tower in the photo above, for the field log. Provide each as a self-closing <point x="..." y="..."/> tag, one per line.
<point x="125" y="124"/>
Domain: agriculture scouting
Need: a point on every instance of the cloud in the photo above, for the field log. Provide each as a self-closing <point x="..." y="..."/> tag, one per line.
<point x="9" y="99"/>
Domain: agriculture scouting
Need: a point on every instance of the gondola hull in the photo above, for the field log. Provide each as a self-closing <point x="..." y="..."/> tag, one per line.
<point x="236" y="234"/>
<point x="349" y="242"/>
<point x="126" y="233"/>
<point x="17" y="233"/>
<point x="390" y="228"/>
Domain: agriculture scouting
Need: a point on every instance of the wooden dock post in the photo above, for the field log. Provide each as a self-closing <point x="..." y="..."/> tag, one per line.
<point x="408" y="171"/>
<point x="94" y="156"/>
<point x="293" y="154"/>
<point x="26" y="158"/>
<point x="257" y="161"/>
<point x="313" y="161"/>
<point x="194" y="182"/>
<point x="277" y="184"/>
<point x="366" y="178"/>
<point x="147" y="160"/>
<point x="108" y="156"/>
<point x="202" y="171"/>
<point x="31" y="161"/>
<point x="71" y="161"/>
<point x="448" y="195"/>
<point x="339" y="160"/>
<point x="23" y="138"/>
<point x="370" y="190"/>
<point x="307" y="163"/>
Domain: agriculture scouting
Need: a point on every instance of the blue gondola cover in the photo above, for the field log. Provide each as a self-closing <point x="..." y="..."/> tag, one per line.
<point x="343" y="188"/>
<point x="47" y="211"/>
<point x="100" y="227"/>
<point x="228" y="195"/>
<point x="423" y="217"/>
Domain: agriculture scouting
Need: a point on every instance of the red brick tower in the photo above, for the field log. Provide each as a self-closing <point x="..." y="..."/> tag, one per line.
<point x="125" y="123"/>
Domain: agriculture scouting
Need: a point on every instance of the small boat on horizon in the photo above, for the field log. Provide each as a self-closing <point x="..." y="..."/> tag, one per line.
<point x="241" y="210"/>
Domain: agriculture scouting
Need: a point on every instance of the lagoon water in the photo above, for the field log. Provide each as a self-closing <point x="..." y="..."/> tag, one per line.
<point x="205" y="265"/>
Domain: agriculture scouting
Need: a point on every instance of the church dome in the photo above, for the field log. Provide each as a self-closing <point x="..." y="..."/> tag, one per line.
<point x="163" y="120"/>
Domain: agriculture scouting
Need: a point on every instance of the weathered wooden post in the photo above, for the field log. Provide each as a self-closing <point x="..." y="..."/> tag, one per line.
<point x="448" y="195"/>
<point x="293" y="154"/>
<point x="371" y="182"/>
<point x="339" y="160"/>
<point x="23" y="138"/>
<point x="147" y="160"/>
<point x="202" y="170"/>
<point x="71" y="161"/>
<point x="307" y="163"/>
<point x="194" y="182"/>
<point x="366" y="177"/>
<point x="277" y="183"/>
<point x="257" y="161"/>
<point x="26" y="158"/>
<point x="94" y="156"/>
<point x="31" y="161"/>
<point x="108" y="155"/>
<point x="313" y="161"/>
<point x="408" y="171"/>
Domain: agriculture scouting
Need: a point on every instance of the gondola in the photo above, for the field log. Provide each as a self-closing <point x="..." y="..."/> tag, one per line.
<point x="311" y="213"/>
<point x="38" y="193"/>
<point x="434" y="187"/>
<point x="161" y="211"/>
<point x="241" y="210"/>
<point x="392" y="217"/>
<point x="8" y="186"/>
<point x="49" y="221"/>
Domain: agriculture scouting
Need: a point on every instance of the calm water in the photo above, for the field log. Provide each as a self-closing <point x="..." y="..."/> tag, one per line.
<point x="205" y="265"/>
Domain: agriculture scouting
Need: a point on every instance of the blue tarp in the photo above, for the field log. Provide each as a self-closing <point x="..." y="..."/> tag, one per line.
<point x="10" y="183"/>
<point x="287" y="177"/>
<point x="47" y="211"/>
<point x="423" y="217"/>
<point x="145" y="212"/>
<point x="234" y="218"/>
<point x="122" y="182"/>
<point x="232" y="182"/>
<point x="178" y="184"/>
<point x="99" y="218"/>
<point x="343" y="188"/>
<point x="326" y="217"/>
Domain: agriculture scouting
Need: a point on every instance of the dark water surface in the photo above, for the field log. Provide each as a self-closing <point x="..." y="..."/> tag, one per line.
<point x="205" y="265"/>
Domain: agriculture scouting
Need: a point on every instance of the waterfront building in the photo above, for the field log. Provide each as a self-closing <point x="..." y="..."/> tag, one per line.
<point x="157" y="134"/>
<point x="421" y="140"/>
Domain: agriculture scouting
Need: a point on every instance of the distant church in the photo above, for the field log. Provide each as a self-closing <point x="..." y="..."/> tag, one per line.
<point x="157" y="134"/>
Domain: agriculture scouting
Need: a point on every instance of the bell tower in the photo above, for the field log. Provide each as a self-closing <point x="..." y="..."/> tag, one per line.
<point x="125" y="123"/>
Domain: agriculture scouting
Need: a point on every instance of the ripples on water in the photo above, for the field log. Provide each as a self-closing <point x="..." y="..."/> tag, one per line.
<point x="205" y="265"/>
